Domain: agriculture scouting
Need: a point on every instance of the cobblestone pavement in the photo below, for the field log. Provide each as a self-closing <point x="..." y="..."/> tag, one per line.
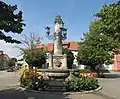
<point x="8" y="90"/>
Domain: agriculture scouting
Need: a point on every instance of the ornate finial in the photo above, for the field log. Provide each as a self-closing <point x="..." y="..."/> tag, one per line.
<point x="58" y="19"/>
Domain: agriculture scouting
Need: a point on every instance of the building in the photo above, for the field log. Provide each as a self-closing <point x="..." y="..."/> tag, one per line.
<point x="73" y="46"/>
<point x="3" y="60"/>
<point x="116" y="62"/>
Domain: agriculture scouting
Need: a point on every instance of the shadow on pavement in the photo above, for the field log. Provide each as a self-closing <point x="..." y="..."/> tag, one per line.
<point x="112" y="75"/>
<point x="18" y="94"/>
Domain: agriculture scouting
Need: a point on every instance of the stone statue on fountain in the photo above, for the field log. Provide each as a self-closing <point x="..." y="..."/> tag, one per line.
<point x="57" y="60"/>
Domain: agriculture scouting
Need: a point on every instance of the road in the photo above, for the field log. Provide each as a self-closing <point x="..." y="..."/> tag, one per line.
<point x="8" y="79"/>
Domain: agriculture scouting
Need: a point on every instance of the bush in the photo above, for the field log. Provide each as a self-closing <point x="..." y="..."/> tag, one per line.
<point x="32" y="80"/>
<point x="35" y="57"/>
<point x="70" y="57"/>
<point x="11" y="62"/>
<point x="84" y="83"/>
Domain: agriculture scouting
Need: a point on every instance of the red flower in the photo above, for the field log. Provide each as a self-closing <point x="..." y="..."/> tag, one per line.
<point x="91" y="73"/>
<point x="94" y="75"/>
<point x="26" y="78"/>
<point x="87" y="78"/>
<point x="30" y="71"/>
<point x="35" y="74"/>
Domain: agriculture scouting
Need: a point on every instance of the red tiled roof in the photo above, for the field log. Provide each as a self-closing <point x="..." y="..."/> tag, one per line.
<point x="73" y="46"/>
<point x="49" y="46"/>
<point x="66" y="43"/>
<point x="4" y="56"/>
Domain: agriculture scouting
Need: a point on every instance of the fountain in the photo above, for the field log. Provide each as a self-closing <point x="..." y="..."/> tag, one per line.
<point x="57" y="70"/>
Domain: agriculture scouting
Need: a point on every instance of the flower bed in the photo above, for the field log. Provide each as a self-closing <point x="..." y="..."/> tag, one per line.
<point x="30" y="79"/>
<point x="85" y="82"/>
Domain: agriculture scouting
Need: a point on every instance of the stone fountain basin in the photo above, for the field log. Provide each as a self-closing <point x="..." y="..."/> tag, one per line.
<point x="56" y="73"/>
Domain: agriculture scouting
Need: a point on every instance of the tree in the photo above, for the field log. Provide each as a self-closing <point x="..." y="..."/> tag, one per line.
<point x="108" y="20"/>
<point x="10" y="21"/>
<point x="2" y="61"/>
<point x="70" y="57"/>
<point x="11" y="62"/>
<point x="97" y="49"/>
<point x="29" y="42"/>
<point x="33" y="56"/>
<point x="102" y="41"/>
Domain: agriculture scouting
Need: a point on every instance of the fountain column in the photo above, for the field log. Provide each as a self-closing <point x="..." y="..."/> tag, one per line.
<point x="57" y="71"/>
<point x="57" y="60"/>
<point x="57" y="39"/>
<point x="50" y="59"/>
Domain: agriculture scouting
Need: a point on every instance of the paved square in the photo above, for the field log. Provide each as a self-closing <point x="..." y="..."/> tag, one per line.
<point x="9" y="80"/>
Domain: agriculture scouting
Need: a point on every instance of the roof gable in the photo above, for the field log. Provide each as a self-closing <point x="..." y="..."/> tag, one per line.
<point x="73" y="46"/>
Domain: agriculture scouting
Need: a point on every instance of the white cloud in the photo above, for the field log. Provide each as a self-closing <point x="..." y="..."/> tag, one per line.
<point x="9" y="49"/>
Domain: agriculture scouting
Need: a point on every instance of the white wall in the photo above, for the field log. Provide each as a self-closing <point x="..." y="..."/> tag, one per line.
<point x="75" y="63"/>
<point x="108" y="67"/>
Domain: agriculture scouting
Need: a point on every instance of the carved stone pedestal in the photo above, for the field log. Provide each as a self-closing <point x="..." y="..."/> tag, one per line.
<point x="58" y="62"/>
<point x="55" y="78"/>
<point x="56" y="85"/>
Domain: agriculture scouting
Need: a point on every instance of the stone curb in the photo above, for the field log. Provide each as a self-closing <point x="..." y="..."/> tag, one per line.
<point x="47" y="92"/>
<point x="84" y="92"/>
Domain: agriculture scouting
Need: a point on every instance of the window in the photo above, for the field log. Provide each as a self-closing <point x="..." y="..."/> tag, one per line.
<point x="65" y="46"/>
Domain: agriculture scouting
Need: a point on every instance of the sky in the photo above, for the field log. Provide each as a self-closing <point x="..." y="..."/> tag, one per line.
<point x="76" y="14"/>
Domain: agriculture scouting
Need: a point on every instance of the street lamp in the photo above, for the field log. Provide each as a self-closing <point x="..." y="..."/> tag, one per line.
<point x="47" y="30"/>
<point x="62" y="32"/>
<point x="58" y="60"/>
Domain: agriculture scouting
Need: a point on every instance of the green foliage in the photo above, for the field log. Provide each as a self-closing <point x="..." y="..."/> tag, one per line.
<point x="97" y="49"/>
<point x="11" y="62"/>
<point x="102" y="41"/>
<point x="35" y="57"/>
<point x="29" y="42"/>
<point x="32" y="80"/>
<point x="10" y="22"/>
<point x="108" y="21"/>
<point x="84" y="83"/>
<point x="2" y="60"/>
<point x="70" y="57"/>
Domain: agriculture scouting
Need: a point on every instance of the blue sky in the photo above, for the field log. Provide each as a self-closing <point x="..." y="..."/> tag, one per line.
<point x="76" y="14"/>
